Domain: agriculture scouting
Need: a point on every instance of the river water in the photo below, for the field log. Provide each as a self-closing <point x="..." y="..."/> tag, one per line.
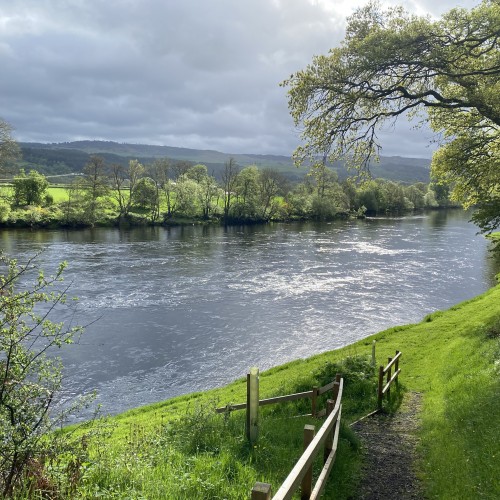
<point x="184" y="309"/>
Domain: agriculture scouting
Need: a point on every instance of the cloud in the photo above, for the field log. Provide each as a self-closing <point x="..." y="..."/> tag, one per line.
<point x="196" y="73"/>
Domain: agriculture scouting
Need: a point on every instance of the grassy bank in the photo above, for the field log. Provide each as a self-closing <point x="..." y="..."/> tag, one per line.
<point x="181" y="449"/>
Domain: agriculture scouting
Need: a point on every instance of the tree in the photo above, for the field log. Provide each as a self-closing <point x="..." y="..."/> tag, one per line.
<point x="124" y="183"/>
<point x="146" y="196"/>
<point x="186" y="196"/>
<point x="158" y="172"/>
<point x="392" y="63"/>
<point x="247" y="192"/>
<point x="29" y="189"/>
<point x="9" y="149"/>
<point x="96" y="186"/>
<point x="229" y="183"/>
<point x="30" y="375"/>
<point x="96" y="177"/>
<point x="270" y="184"/>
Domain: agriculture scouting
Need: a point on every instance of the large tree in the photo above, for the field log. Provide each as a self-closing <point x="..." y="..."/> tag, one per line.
<point x="392" y="63"/>
<point x="9" y="149"/>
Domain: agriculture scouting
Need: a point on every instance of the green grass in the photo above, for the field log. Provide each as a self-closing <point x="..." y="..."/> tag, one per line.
<point x="181" y="449"/>
<point x="59" y="193"/>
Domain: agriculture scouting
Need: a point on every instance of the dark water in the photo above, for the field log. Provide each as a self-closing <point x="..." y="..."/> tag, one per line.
<point x="184" y="309"/>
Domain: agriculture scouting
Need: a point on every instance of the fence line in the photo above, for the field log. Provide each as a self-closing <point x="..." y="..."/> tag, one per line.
<point x="301" y="474"/>
<point x="386" y="389"/>
<point x="313" y="394"/>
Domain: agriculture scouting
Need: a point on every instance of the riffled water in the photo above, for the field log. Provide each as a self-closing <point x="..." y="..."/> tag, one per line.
<point x="184" y="309"/>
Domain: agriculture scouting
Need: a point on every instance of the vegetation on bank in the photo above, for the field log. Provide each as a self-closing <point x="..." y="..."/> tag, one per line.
<point x="167" y="193"/>
<point x="181" y="448"/>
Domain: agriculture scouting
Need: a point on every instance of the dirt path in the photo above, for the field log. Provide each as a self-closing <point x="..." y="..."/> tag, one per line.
<point x="389" y="447"/>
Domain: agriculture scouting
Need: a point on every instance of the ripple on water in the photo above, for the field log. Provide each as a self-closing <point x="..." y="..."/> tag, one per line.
<point x="187" y="310"/>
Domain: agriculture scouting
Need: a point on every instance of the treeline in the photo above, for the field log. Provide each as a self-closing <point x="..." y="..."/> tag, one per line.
<point x="166" y="192"/>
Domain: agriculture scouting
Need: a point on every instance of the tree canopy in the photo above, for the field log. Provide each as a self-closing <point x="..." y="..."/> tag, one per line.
<point x="9" y="149"/>
<point x="393" y="63"/>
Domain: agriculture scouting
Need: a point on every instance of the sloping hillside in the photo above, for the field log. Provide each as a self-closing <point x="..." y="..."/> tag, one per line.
<point x="72" y="156"/>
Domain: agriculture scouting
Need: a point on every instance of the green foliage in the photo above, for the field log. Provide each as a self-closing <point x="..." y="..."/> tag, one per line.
<point x="30" y="374"/>
<point x="9" y="149"/>
<point x="392" y="63"/>
<point x="29" y="189"/>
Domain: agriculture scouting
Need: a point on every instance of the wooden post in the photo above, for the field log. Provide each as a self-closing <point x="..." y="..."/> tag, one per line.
<point x="314" y="401"/>
<point x="247" y="420"/>
<point x="374" y="343"/>
<point x="261" y="491"/>
<point x="330" y="405"/>
<point x="306" y="485"/>
<point x="253" y="405"/>
<point x="336" y="386"/>
<point x="389" y="378"/>
<point x="380" y="385"/>
<point x="396" y="368"/>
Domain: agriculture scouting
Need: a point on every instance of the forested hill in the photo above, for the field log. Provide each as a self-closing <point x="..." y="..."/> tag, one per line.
<point x="66" y="157"/>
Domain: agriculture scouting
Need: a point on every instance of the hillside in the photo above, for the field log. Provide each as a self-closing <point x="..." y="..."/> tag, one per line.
<point x="59" y="158"/>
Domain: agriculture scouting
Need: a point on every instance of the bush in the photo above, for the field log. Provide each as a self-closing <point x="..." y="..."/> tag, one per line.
<point x="29" y="378"/>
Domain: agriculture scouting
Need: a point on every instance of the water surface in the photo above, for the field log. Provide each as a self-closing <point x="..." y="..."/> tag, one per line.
<point x="189" y="308"/>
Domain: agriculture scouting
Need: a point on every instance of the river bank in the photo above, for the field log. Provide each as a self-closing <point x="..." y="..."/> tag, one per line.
<point x="451" y="358"/>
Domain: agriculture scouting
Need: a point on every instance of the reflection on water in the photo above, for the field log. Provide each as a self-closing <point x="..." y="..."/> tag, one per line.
<point x="183" y="309"/>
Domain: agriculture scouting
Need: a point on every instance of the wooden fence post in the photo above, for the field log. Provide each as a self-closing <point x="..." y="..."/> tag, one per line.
<point x="380" y="385"/>
<point x="252" y="422"/>
<point x="247" y="418"/>
<point x="396" y="368"/>
<point x="389" y="371"/>
<point x="306" y="485"/>
<point x="336" y="386"/>
<point x="330" y="405"/>
<point x="261" y="491"/>
<point x="314" y="401"/>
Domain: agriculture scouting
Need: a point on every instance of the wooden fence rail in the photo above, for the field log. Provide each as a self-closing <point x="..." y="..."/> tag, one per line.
<point x="312" y="394"/>
<point x="390" y="378"/>
<point x="301" y="474"/>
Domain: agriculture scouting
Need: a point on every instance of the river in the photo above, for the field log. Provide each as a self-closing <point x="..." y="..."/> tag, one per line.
<point x="189" y="308"/>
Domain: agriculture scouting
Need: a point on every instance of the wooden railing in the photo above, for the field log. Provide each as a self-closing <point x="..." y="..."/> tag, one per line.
<point x="313" y="394"/>
<point x="301" y="474"/>
<point x="390" y="378"/>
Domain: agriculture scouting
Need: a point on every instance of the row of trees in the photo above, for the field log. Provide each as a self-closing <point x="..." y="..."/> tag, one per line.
<point x="166" y="190"/>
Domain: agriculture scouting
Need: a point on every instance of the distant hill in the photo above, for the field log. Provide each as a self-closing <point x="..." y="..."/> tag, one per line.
<point x="66" y="157"/>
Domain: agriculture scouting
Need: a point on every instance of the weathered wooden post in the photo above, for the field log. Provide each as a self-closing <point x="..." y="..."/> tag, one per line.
<point x="252" y="423"/>
<point x="396" y="368"/>
<point x="306" y="485"/>
<point x="374" y="343"/>
<point x="314" y="401"/>
<point x="389" y="378"/>
<point x="380" y="385"/>
<point x="261" y="491"/>
<point x="330" y="405"/>
<point x="336" y="386"/>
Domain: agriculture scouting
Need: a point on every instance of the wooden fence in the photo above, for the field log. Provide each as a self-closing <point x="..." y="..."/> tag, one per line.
<point x="313" y="394"/>
<point x="387" y="373"/>
<point x="301" y="474"/>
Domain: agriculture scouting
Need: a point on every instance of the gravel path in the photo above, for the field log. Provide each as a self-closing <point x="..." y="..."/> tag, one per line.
<point x="389" y="444"/>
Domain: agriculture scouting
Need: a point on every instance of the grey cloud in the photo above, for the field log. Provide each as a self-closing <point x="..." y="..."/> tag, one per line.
<point x="195" y="73"/>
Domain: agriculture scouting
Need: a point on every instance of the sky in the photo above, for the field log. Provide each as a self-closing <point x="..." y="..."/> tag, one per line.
<point x="201" y="74"/>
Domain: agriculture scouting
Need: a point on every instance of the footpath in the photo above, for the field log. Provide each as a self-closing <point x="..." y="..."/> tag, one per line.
<point x="389" y="444"/>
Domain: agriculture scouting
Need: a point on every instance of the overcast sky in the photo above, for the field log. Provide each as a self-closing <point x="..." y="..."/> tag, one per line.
<point x="189" y="73"/>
